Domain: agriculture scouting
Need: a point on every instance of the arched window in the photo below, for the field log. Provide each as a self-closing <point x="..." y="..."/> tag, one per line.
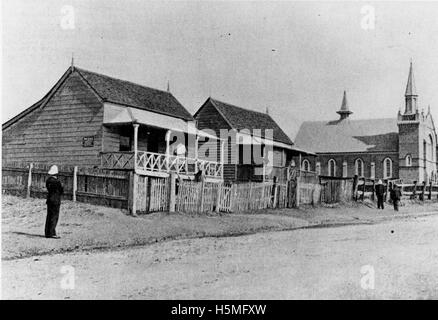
<point x="305" y="166"/>
<point x="332" y="168"/>
<point x="408" y="160"/>
<point x="387" y="168"/>
<point x="359" y="167"/>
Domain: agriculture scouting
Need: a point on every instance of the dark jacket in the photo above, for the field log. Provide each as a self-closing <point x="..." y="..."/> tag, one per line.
<point x="395" y="194"/>
<point x="55" y="190"/>
<point x="380" y="190"/>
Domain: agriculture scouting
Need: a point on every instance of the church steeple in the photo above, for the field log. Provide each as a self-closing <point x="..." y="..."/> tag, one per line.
<point x="344" y="112"/>
<point x="411" y="93"/>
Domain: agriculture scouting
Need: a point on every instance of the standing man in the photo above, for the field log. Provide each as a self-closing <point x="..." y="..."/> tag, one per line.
<point x="380" y="192"/>
<point x="55" y="190"/>
<point x="395" y="197"/>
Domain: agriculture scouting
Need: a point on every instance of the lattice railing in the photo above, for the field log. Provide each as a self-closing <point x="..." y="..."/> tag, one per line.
<point x="158" y="162"/>
<point x="117" y="160"/>
<point x="211" y="168"/>
<point x="150" y="161"/>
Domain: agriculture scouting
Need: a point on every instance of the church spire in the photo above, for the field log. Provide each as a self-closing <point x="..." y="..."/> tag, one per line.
<point x="410" y="86"/>
<point x="411" y="93"/>
<point x="344" y="112"/>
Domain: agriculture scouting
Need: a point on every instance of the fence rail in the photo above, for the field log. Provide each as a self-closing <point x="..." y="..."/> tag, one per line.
<point x="96" y="186"/>
<point x="142" y="193"/>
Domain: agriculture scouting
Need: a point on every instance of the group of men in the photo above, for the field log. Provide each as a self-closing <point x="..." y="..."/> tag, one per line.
<point x="395" y="195"/>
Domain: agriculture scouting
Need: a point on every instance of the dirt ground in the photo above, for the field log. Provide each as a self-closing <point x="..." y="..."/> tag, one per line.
<point x="394" y="259"/>
<point x="85" y="227"/>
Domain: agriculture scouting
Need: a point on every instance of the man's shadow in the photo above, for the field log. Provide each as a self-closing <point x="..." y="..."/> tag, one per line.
<point x="31" y="235"/>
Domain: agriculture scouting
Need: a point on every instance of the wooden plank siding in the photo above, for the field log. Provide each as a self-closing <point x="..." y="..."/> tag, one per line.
<point x="54" y="134"/>
<point x="209" y="118"/>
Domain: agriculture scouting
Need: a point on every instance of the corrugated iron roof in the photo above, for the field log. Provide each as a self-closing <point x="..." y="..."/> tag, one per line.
<point x="240" y="118"/>
<point x="135" y="95"/>
<point x="349" y="136"/>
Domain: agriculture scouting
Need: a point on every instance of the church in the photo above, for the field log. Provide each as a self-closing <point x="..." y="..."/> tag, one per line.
<point x="403" y="147"/>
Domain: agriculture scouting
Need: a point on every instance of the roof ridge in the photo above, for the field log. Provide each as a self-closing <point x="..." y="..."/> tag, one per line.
<point x="351" y="120"/>
<point x="234" y="106"/>
<point x="118" y="79"/>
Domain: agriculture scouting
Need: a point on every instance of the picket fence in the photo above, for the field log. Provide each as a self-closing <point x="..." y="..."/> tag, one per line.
<point x="144" y="194"/>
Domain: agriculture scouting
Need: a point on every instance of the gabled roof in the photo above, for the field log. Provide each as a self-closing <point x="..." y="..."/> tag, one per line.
<point x="119" y="92"/>
<point x="134" y="95"/>
<point x="239" y="118"/>
<point x="349" y="136"/>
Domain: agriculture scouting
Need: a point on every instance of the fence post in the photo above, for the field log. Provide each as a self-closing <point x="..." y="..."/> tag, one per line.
<point x="297" y="192"/>
<point x="29" y="180"/>
<point x="363" y="189"/>
<point x="133" y="181"/>
<point x="275" y="192"/>
<point x="172" y="192"/>
<point x="423" y="190"/>
<point x="414" y="193"/>
<point x="75" y="182"/>
<point x="385" y="195"/>
<point x="355" y="183"/>
<point x="218" y="196"/>
<point x="201" y="207"/>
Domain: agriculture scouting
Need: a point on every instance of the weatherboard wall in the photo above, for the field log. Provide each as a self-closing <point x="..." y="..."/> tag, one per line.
<point x="55" y="133"/>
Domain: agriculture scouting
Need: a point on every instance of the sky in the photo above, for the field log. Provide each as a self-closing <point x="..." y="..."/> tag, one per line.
<point x="294" y="58"/>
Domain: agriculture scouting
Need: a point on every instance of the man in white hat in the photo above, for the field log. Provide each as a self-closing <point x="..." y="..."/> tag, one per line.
<point x="55" y="190"/>
<point x="380" y="192"/>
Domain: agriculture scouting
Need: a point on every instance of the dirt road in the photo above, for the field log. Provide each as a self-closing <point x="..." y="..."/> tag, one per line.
<point x="308" y="263"/>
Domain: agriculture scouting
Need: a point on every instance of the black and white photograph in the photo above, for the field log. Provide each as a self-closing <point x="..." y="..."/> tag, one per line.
<point x="219" y="150"/>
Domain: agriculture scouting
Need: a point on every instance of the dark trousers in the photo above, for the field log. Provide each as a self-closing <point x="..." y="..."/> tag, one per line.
<point x="396" y="203"/>
<point x="380" y="202"/>
<point x="51" y="219"/>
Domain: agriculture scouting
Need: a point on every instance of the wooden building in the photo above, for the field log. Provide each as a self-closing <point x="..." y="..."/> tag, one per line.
<point x="92" y="120"/>
<point x="249" y="136"/>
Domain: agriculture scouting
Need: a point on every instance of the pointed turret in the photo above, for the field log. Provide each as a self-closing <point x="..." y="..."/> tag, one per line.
<point x="410" y="86"/>
<point x="411" y="93"/>
<point x="344" y="112"/>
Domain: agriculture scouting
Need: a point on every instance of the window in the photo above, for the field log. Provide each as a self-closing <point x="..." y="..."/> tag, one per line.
<point x="359" y="167"/>
<point x="387" y="168"/>
<point x="305" y="165"/>
<point x="125" y="143"/>
<point x="332" y="167"/>
<point x="344" y="169"/>
<point x="408" y="160"/>
<point x="373" y="170"/>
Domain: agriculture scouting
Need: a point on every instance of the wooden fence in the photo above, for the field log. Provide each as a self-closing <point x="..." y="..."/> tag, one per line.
<point x="143" y="194"/>
<point x="336" y="189"/>
<point x="421" y="191"/>
<point x="101" y="187"/>
<point x="210" y="196"/>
